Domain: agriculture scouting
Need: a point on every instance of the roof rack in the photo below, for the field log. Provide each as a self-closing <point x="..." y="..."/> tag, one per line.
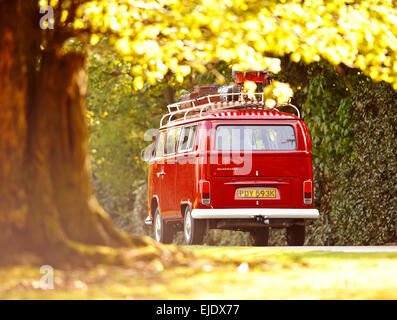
<point x="220" y="101"/>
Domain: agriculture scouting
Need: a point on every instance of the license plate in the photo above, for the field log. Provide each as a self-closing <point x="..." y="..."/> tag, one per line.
<point x="256" y="193"/>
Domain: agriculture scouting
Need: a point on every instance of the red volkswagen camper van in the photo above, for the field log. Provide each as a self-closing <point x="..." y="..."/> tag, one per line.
<point x="225" y="161"/>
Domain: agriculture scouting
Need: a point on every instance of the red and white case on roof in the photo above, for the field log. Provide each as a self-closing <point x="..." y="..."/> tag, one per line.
<point x="261" y="78"/>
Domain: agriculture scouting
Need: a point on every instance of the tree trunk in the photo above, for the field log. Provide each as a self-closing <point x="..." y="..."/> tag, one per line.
<point x="47" y="206"/>
<point x="13" y="126"/>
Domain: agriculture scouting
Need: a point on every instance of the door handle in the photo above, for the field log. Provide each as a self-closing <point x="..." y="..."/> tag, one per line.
<point x="160" y="174"/>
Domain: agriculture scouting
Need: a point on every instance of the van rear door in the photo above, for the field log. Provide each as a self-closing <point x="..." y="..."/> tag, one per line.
<point x="259" y="164"/>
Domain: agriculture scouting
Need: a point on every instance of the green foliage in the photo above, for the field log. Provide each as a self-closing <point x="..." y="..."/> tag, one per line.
<point x="352" y="123"/>
<point x="364" y="196"/>
<point x="353" y="126"/>
<point x="119" y="117"/>
<point x="327" y="111"/>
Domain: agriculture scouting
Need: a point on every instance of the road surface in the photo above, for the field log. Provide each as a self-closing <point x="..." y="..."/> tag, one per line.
<point x="344" y="248"/>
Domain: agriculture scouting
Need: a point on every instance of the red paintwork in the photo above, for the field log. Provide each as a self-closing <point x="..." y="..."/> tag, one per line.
<point x="255" y="76"/>
<point x="284" y="170"/>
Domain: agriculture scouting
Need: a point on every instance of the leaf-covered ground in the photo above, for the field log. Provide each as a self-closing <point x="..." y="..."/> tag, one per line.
<point x="221" y="273"/>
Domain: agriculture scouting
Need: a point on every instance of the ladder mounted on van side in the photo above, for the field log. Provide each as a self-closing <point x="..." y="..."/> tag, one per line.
<point x="220" y="101"/>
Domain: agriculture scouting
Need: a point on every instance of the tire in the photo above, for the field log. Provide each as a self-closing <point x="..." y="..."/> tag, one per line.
<point x="162" y="232"/>
<point x="296" y="235"/>
<point x="260" y="237"/>
<point x="193" y="229"/>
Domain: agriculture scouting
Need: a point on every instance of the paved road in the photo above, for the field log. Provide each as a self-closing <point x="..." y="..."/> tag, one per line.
<point x="346" y="249"/>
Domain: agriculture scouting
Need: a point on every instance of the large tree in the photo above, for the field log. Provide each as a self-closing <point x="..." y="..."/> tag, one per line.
<point x="46" y="201"/>
<point x="47" y="205"/>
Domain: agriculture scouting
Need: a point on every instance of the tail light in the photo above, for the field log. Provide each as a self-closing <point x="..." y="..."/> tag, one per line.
<point x="205" y="190"/>
<point x="307" y="192"/>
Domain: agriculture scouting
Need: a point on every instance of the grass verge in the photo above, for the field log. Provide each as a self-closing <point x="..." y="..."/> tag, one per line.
<point x="221" y="273"/>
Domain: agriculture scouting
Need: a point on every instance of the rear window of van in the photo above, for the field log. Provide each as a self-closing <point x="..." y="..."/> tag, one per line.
<point x="255" y="137"/>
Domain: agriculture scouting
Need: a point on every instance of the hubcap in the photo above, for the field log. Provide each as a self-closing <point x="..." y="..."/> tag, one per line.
<point x="188" y="226"/>
<point x="157" y="228"/>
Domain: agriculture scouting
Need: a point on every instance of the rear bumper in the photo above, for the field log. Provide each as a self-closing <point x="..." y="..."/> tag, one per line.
<point x="248" y="213"/>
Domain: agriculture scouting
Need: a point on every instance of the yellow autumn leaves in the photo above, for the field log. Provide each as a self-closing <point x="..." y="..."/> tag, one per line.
<point x="276" y="93"/>
<point x="178" y="36"/>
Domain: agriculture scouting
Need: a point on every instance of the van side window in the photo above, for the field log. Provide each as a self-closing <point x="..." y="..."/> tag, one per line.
<point x="159" y="149"/>
<point x="187" y="138"/>
<point x="172" y="139"/>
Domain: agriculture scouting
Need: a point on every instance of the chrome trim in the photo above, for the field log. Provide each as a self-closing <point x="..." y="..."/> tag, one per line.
<point x="247" y="213"/>
<point x="148" y="221"/>
<point x="160" y="174"/>
<point x="244" y="99"/>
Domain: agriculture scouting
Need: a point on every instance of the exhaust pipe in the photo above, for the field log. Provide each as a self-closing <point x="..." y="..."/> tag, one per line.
<point x="261" y="219"/>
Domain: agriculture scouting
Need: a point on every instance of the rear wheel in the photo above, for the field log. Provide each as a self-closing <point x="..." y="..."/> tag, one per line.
<point x="295" y="235"/>
<point x="260" y="237"/>
<point x="193" y="229"/>
<point x="162" y="232"/>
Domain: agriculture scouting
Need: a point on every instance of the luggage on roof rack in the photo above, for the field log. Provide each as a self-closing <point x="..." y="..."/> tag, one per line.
<point x="210" y="97"/>
<point x="220" y="101"/>
<point x="214" y="91"/>
<point x="199" y="91"/>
